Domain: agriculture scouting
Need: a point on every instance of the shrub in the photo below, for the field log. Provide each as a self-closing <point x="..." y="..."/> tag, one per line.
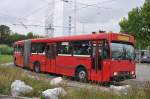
<point x="6" y="50"/>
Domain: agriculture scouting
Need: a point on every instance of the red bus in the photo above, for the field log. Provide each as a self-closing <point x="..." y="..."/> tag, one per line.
<point x="103" y="57"/>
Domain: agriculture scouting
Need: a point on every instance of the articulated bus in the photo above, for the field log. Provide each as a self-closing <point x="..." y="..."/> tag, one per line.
<point x="103" y="57"/>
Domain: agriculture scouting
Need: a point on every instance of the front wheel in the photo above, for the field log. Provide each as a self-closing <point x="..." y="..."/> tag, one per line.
<point x="81" y="75"/>
<point x="37" y="67"/>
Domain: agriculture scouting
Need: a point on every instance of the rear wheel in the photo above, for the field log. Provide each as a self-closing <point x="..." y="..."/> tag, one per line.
<point x="15" y="62"/>
<point x="37" y="67"/>
<point x="81" y="74"/>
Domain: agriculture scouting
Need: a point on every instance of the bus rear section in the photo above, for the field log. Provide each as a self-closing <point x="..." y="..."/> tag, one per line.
<point x="18" y="53"/>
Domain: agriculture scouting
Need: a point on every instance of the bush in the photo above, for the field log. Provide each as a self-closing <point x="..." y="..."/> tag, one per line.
<point x="6" y="50"/>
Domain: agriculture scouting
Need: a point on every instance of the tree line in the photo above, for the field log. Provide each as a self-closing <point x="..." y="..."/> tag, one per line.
<point x="138" y="25"/>
<point x="8" y="37"/>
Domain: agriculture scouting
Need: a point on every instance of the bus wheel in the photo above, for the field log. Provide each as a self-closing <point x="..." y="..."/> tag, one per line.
<point x="15" y="62"/>
<point x="37" y="67"/>
<point x="81" y="75"/>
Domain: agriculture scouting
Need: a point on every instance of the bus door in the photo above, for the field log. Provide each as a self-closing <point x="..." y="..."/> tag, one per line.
<point x="17" y="55"/>
<point x="96" y="70"/>
<point x="51" y="58"/>
<point x="105" y="61"/>
<point x="21" y="55"/>
<point x="100" y="61"/>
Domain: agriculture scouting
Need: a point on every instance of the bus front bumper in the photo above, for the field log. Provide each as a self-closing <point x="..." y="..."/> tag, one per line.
<point x="123" y="77"/>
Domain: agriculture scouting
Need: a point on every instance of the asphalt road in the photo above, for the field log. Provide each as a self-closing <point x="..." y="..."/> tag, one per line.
<point x="142" y="76"/>
<point x="143" y="72"/>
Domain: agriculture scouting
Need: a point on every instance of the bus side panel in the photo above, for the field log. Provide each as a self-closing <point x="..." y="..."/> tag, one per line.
<point x="38" y="58"/>
<point x="106" y="71"/>
<point x="17" y="58"/>
<point x="66" y="65"/>
<point x="21" y="60"/>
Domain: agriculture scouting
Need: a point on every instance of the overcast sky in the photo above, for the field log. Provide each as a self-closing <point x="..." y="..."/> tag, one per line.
<point x="105" y="16"/>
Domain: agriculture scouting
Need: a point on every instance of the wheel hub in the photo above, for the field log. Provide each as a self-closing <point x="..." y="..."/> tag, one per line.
<point x="82" y="74"/>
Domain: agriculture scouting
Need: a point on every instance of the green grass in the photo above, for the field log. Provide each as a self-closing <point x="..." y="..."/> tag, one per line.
<point x="93" y="94"/>
<point x="9" y="74"/>
<point x="5" y="58"/>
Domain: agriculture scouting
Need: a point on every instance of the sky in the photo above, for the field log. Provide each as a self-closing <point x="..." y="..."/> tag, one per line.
<point x="105" y="15"/>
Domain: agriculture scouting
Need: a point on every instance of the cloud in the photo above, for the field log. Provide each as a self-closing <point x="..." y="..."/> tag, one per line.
<point x="105" y="16"/>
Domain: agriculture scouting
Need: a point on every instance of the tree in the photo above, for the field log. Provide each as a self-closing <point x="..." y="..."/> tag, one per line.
<point x="8" y="38"/>
<point x="30" y="35"/>
<point x="147" y="1"/>
<point x="138" y="25"/>
<point x="4" y="33"/>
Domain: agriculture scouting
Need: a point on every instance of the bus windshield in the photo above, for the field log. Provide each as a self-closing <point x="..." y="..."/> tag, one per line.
<point x="122" y="51"/>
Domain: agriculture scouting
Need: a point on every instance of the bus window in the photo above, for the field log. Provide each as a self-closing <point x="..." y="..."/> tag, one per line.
<point x="64" y="48"/>
<point x="38" y="47"/>
<point x="51" y="51"/>
<point x="21" y="49"/>
<point x="81" y="48"/>
<point x="106" y="50"/>
<point x="15" y="48"/>
<point x="94" y="55"/>
<point x="100" y="55"/>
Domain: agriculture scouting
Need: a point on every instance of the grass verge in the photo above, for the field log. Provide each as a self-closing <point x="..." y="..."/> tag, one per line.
<point x="9" y="74"/>
<point x="93" y="94"/>
<point x="5" y="58"/>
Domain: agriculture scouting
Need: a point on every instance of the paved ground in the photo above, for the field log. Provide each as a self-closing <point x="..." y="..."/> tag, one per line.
<point x="142" y="75"/>
<point x="143" y="72"/>
<point x="10" y="97"/>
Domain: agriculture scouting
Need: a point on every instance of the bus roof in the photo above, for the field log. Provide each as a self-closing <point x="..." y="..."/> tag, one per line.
<point x="112" y="36"/>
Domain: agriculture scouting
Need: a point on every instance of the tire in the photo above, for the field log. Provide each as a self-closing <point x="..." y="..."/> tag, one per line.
<point x="37" y="67"/>
<point x="81" y="74"/>
<point x="15" y="62"/>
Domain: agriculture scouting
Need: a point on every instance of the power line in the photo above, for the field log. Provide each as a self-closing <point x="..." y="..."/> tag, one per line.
<point x="30" y="25"/>
<point x="87" y="5"/>
<point x="38" y="9"/>
<point x="35" y="11"/>
<point x="45" y="1"/>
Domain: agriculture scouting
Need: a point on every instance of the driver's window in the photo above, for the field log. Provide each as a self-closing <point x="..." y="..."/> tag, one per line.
<point x="100" y="52"/>
<point x="106" y="50"/>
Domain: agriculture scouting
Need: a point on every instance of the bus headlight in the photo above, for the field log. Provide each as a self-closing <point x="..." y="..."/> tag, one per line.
<point x="115" y="73"/>
<point x="132" y="72"/>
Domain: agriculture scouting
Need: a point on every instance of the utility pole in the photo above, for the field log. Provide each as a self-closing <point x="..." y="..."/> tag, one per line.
<point x="83" y="26"/>
<point x="75" y="16"/>
<point x="49" y="20"/>
<point x="70" y="26"/>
